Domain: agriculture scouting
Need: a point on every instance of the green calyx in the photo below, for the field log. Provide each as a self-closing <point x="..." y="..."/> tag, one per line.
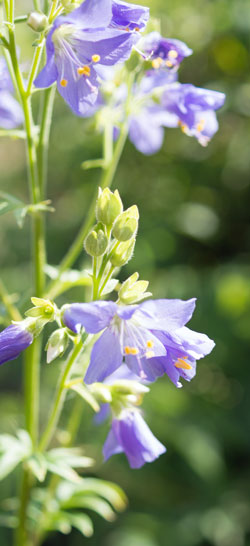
<point x="133" y="291"/>
<point x="126" y="225"/>
<point x="123" y="253"/>
<point x="108" y="206"/>
<point x="57" y="344"/>
<point x="96" y="241"/>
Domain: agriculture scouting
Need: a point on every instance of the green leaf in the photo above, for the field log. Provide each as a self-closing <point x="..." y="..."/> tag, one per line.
<point x="82" y="523"/>
<point x="70" y="456"/>
<point x="97" y="504"/>
<point x="37" y="464"/>
<point x="93" y="486"/>
<point x="68" y="279"/>
<point x="86" y="395"/>
<point x="9" y="203"/>
<point x="8" y="521"/>
<point x="13" y="451"/>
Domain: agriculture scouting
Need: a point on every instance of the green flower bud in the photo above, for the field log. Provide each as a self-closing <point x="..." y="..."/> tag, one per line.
<point x="123" y="253"/>
<point x="132" y="290"/>
<point x="108" y="206"/>
<point x="57" y="344"/>
<point x="96" y="241"/>
<point x="126" y="225"/>
<point x="37" y="21"/>
<point x="43" y="309"/>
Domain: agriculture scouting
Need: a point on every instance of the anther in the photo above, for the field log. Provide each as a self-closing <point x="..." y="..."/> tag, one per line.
<point x="181" y="363"/>
<point x="169" y="64"/>
<point x="149" y="354"/>
<point x="150" y="343"/>
<point x="64" y="82"/>
<point x="95" y="58"/>
<point x="84" y="70"/>
<point x="134" y="351"/>
<point x="200" y="126"/>
<point x="156" y="63"/>
<point x="172" y="54"/>
<point x="137" y="29"/>
<point x="127" y="350"/>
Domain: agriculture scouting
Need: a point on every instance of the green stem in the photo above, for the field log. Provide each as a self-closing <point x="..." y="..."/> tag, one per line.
<point x="43" y="142"/>
<point x="76" y="247"/>
<point x="6" y="299"/>
<point x="21" y="538"/>
<point x="35" y="65"/>
<point x="59" y="398"/>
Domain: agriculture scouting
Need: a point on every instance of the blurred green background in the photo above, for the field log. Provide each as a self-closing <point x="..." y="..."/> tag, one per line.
<point x="193" y="241"/>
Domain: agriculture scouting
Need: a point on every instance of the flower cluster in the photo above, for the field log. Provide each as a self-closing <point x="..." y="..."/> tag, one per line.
<point x="11" y="114"/>
<point x="98" y="33"/>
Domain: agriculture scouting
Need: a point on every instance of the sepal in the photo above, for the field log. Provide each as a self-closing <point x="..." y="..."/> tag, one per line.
<point x="133" y="291"/>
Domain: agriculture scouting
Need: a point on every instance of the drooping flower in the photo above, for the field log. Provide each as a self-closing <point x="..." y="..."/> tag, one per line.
<point x="130" y="434"/>
<point x="145" y="335"/>
<point x="164" y="52"/>
<point x="13" y="340"/>
<point x="193" y="109"/>
<point x="99" y="32"/>
<point x="11" y="114"/>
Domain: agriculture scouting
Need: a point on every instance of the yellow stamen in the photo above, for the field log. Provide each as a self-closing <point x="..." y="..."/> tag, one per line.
<point x="181" y="363"/>
<point x="64" y="82"/>
<point x="156" y="63"/>
<point x="137" y="29"/>
<point x="183" y="126"/>
<point x="84" y="70"/>
<point x="96" y="58"/>
<point x="172" y="54"/>
<point x="131" y="350"/>
<point x="149" y="354"/>
<point x="200" y="126"/>
<point x="127" y="29"/>
<point x="150" y="343"/>
<point x="169" y="64"/>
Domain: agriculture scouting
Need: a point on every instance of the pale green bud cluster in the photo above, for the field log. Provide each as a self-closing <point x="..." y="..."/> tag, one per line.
<point x="57" y="344"/>
<point x="133" y="291"/>
<point x="37" y="21"/>
<point x="123" y="393"/>
<point x="96" y="241"/>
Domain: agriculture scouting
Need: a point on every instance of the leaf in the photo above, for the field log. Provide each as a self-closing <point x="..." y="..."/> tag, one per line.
<point x="82" y="523"/>
<point x="64" y="471"/>
<point x="97" y="504"/>
<point x="38" y="466"/>
<point x="89" y="486"/>
<point x="68" y="279"/>
<point x="86" y="395"/>
<point x="9" y="203"/>
<point x="70" y="456"/>
<point x="8" y="521"/>
<point x="13" y="451"/>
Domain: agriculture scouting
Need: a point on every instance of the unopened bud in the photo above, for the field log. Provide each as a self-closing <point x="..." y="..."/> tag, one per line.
<point x="123" y="253"/>
<point x="132" y="290"/>
<point x="57" y="344"/>
<point x="37" y="21"/>
<point x="96" y="241"/>
<point x="108" y="206"/>
<point x="126" y="225"/>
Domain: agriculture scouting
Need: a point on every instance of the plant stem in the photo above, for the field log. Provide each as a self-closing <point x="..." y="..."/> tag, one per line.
<point x="6" y="299"/>
<point x="60" y="397"/>
<point x="43" y="142"/>
<point x="76" y="247"/>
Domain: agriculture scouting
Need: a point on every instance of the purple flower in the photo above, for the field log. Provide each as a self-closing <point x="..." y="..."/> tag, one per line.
<point x="165" y="52"/>
<point x="99" y="32"/>
<point x="145" y="335"/>
<point x="130" y="434"/>
<point x="13" y="340"/>
<point x="192" y="108"/>
<point x="11" y="114"/>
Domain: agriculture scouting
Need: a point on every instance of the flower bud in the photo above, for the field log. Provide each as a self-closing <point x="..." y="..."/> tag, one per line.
<point x="126" y="225"/>
<point x="123" y="253"/>
<point x="37" y="21"/>
<point x="108" y="206"/>
<point x="57" y="344"/>
<point x="132" y="290"/>
<point x="43" y="309"/>
<point x="96" y="241"/>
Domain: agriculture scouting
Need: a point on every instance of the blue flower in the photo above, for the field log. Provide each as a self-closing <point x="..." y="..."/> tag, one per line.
<point x="193" y="109"/>
<point x="13" y="340"/>
<point x="145" y="335"/>
<point x="11" y="114"/>
<point x="130" y="434"/>
<point x="99" y="32"/>
<point x="165" y="52"/>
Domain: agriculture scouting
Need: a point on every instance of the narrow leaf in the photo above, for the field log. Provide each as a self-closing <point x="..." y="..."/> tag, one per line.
<point x="86" y="395"/>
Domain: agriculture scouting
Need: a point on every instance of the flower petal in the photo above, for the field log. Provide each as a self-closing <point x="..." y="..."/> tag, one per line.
<point x="111" y="446"/>
<point x="106" y="357"/>
<point x="129" y="15"/>
<point x="92" y="14"/>
<point x="146" y="135"/>
<point x="94" y="316"/>
<point x="165" y="314"/>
